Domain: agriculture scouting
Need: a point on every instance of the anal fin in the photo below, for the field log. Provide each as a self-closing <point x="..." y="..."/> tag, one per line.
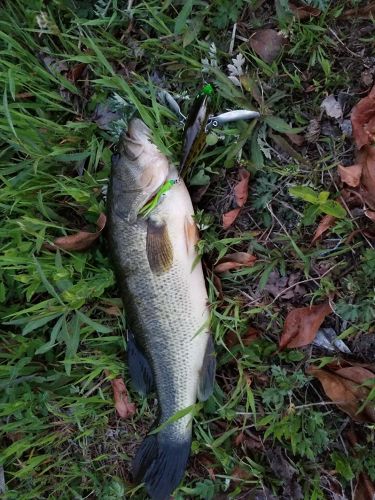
<point x="139" y="368"/>
<point x="207" y="372"/>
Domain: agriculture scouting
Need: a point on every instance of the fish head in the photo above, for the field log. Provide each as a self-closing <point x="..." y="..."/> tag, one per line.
<point x="139" y="170"/>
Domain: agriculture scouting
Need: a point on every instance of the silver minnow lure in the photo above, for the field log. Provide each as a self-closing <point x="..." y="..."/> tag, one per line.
<point x="231" y="116"/>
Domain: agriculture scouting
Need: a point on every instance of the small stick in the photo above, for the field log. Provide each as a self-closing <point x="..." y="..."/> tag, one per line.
<point x="231" y="46"/>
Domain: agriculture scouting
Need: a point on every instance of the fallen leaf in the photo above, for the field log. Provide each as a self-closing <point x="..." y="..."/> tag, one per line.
<point x="240" y="473"/>
<point x="284" y="287"/>
<point x="364" y="489"/>
<point x="76" y="71"/>
<point x="112" y="310"/>
<point x="326" y="223"/>
<point x="370" y="214"/>
<point x="283" y="469"/>
<point x="124" y="408"/>
<point x="363" y="120"/>
<point x="251" y="335"/>
<point x="367" y="158"/>
<point x="302" y="324"/>
<point x="285" y="146"/>
<point x="344" y="388"/>
<point x="249" y="440"/>
<point x="332" y="107"/>
<point x="241" y="190"/>
<point x="303" y="11"/>
<point x="366" y="11"/>
<point x="230" y="217"/>
<point x="235" y="261"/>
<point x="211" y="473"/>
<point x="79" y="241"/>
<point x="24" y="95"/>
<point x="350" y="175"/>
<point x="267" y="44"/>
<point x="239" y="439"/>
<point x="296" y="139"/>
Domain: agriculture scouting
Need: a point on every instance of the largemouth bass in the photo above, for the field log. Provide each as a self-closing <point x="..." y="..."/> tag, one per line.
<point x="162" y="285"/>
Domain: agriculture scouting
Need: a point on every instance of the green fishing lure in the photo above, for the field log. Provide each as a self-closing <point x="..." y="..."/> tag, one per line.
<point x="151" y="205"/>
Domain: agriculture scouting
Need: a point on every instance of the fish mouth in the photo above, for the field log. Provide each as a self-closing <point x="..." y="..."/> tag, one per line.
<point x="138" y="130"/>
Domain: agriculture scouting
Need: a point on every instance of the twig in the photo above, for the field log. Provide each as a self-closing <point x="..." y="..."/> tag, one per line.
<point x="93" y="389"/>
<point x="343" y="44"/>
<point x="231" y="46"/>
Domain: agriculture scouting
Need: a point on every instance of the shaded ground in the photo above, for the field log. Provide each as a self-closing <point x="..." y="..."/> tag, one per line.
<point x="269" y="431"/>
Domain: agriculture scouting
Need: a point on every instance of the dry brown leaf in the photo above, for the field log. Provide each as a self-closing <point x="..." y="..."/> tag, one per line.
<point x="267" y="44"/>
<point x="350" y="175"/>
<point x="80" y="241"/>
<point x="124" y="408"/>
<point x="296" y="139"/>
<point x="230" y="217"/>
<point x="75" y="72"/>
<point x="326" y="223"/>
<point x="249" y="441"/>
<point x="370" y="214"/>
<point x="343" y="387"/>
<point x="251" y="335"/>
<point x="235" y="261"/>
<point x="303" y="11"/>
<point x="302" y="324"/>
<point x="366" y="11"/>
<point x="363" y="120"/>
<point x="241" y="190"/>
<point x="364" y="489"/>
<point x="24" y="95"/>
<point x="367" y="158"/>
<point x="112" y="310"/>
<point x="240" y="473"/>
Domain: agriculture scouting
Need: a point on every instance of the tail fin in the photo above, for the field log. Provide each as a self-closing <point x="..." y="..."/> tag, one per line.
<point x="160" y="463"/>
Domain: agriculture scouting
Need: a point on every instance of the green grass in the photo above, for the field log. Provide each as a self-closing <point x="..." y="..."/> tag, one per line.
<point x="60" y="436"/>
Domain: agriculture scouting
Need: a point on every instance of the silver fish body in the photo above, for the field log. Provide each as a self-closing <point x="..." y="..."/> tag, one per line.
<point x="165" y="299"/>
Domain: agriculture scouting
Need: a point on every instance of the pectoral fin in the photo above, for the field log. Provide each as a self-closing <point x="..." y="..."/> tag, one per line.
<point x="139" y="368"/>
<point x="191" y="234"/>
<point x="158" y="247"/>
<point x="207" y="372"/>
